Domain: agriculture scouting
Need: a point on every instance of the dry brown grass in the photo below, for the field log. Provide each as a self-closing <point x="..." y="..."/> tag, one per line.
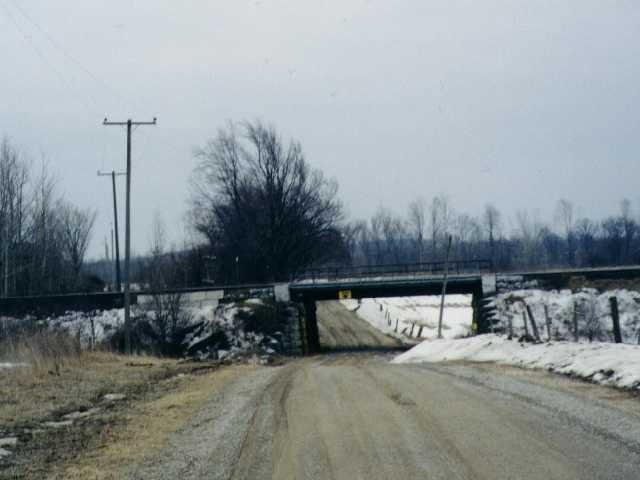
<point x="61" y="378"/>
<point x="29" y="397"/>
<point x="58" y="385"/>
<point x="42" y="350"/>
<point x="148" y="428"/>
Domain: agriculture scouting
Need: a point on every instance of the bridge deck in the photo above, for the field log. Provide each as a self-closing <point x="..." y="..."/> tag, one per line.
<point x="385" y="287"/>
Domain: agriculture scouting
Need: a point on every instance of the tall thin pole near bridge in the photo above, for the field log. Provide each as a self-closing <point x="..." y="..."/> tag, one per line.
<point x="127" y="245"/>
<point x="444" y="287"/>
<point x="113" y="175"/>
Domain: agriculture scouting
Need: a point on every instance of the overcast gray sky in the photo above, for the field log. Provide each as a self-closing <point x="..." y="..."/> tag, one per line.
<point x="518" y="103"/>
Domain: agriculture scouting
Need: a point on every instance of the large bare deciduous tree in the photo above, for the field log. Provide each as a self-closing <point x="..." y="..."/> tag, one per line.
<point x="264" y="211"/>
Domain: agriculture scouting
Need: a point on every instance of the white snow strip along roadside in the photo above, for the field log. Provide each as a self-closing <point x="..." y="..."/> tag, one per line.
<point x="604" y="363"/>
<point x="12" y="365"/>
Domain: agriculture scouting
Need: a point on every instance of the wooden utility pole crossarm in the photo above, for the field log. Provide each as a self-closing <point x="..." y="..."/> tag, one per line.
<point x="127" y="246"/>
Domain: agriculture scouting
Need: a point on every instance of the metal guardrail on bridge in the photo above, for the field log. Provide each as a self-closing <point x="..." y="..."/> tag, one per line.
<point x="394" y="270"/>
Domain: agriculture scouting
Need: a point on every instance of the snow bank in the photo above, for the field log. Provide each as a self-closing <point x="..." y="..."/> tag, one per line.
<point x="382" y="313"/>
<point x="209" y="331"/>
<point x="594" y="314"/>
<point x="90" y="328"/>
<point x="604" y="363"/>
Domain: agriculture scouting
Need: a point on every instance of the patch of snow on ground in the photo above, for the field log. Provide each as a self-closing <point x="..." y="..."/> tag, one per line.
<point x="8" y="365"/>
<point x="424" y="311"/>
<point x="90" y="328"/>
<point x="604" y="363"/>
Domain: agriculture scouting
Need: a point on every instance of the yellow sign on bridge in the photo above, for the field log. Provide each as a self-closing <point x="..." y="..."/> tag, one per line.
<point x="344" y="294"/>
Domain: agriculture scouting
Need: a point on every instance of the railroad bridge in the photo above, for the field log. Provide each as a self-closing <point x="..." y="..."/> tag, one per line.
<point x="469" y="277"/>
<point x="465" y="277"/>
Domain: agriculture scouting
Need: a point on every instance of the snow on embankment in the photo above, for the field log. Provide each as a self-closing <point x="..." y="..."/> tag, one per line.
<point x="385" y="313"/>
<point x="222" y="331"/>
<point x="593" y="313"/>
<point x="604" y="363"/>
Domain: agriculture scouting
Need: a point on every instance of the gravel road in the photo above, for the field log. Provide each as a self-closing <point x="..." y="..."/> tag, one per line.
<point x="340" y="328"/>
<point x="356" y="416"/>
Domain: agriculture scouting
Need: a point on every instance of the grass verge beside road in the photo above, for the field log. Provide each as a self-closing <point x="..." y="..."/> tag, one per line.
<point x="62" y="418"/>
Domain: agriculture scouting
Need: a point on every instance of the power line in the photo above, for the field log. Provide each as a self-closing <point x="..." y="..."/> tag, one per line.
<point x="58" y="46"/>
<point x="27" y="38"/>
<point x="70" y="57"/>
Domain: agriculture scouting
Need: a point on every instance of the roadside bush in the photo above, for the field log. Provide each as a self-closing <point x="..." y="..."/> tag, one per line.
<point x="158" y="326"/>
<point x="41" y="349"/>
<point x="263" y="318"/>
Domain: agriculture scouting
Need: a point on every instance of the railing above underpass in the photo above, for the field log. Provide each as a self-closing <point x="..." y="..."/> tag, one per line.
<point x="456" y="267"/>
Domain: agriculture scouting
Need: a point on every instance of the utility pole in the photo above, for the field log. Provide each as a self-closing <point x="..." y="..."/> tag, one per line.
<point x="115" y="274"/>
<point x="6" y="257"/>
<point x="127" y="245"/>
<point x="113" y="175"/>
<point x="444" y="287"/>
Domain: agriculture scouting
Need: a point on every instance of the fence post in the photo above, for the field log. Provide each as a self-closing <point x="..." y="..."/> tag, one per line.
<point x="524" y="320"/>
<point x="613" y="301"/>
<point x="547" y="319"/>
<point x="575" y="320"/>
<point x="534" y="327"/>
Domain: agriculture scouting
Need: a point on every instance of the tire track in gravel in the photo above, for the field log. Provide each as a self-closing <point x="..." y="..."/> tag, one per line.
<point x="356" y="416"/>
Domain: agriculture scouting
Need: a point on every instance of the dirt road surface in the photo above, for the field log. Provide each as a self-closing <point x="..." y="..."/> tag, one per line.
<point x="340" y="328"/>
<point x="356" y="416"/>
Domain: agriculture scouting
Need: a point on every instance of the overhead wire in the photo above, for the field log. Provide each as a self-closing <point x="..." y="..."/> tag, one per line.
<point x="72" y="58"/>
<point x="181" y="151"/>
<point x="27" y="38"/>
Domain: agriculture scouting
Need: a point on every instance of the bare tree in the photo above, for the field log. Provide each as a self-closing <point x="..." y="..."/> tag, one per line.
<point x="465" y="231"/>
<point x="629" y="226"/>
<point x="76" y="225"/>
<point x="393" y="231"/>
<point x="492" y="223"/>
<point x="417" y="226"/>
<point x="363" y="240"/>
<point x="565" y="218"/>
<point x="377" y="236"/>
<point x="350" y="235"/>
<point x="440" y="214"/>
<point x="14" y="177"/>
<point x="586" y="233"/>
<point x="158" y="235"/>
<point x="529" y="231"/>
<point x="264" y="211"/>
